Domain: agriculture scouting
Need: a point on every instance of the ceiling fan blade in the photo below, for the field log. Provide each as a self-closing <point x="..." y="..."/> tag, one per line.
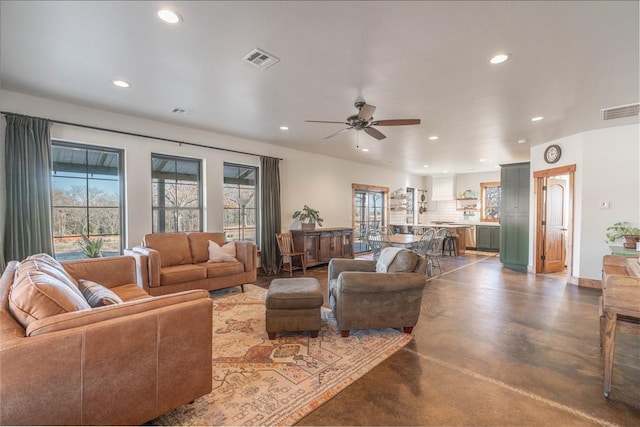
<point x="374" y="133"/>
<point x="366" y="112"/>
<point x="396" y="122"/>
<point x="335" y="133"/>
<point x="324" y="121"/>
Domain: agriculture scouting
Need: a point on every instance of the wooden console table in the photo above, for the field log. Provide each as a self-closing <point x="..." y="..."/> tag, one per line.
<point x="322" y="244"/>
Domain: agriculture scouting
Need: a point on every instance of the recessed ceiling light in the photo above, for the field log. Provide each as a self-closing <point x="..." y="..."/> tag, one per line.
<point x="537" y="119"/>
<point x="499" y="59"/>
<point x="169" y="16"/>
<point x="284" y="127"/>
<point x="121" y="83"/>
<point x="445" y="171"/>
<point x="426" y="166"/>
<point x="365" y="150"/>
<point x="482" y="160"/>
<point x="522" y="141"/>
<point x="433" y="138"/>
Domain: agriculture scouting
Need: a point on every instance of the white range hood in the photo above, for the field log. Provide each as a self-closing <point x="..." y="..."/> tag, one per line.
<point x="443" y="188"/>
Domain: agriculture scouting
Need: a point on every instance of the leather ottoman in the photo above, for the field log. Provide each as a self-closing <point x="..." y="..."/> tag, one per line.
<point x="293" y="305"/>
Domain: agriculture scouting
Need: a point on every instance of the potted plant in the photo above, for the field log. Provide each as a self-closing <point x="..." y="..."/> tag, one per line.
<point x="90" y="247"/>
<point x="308" y="218"/>
<point x="622" y="229"/>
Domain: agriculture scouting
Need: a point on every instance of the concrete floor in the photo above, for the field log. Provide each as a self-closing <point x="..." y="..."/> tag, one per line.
<point x="494" y="347"/>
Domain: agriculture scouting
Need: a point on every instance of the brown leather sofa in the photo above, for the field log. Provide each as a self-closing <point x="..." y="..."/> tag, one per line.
<point x="620" y="301"/>
<point x="126" y="363"/>
<point x="178" y="262"/>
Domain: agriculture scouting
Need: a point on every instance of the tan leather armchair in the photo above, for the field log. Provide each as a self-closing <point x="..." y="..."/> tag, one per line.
<point x="119" y="364"/>
<point x="362" y="298"/>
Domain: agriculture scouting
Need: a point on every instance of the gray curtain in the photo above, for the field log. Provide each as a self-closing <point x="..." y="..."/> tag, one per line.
<point x="28" y="179"/>
<point x="270" y="209"/>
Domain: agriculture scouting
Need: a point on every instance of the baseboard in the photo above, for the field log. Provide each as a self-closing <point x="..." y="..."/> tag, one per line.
<point x="586" y="283"/>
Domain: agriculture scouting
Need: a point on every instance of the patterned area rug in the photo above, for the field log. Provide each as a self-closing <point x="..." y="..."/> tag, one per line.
<point x="261" y="382"/>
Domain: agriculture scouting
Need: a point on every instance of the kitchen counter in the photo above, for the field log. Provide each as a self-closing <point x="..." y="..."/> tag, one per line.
<point x="454" y="228"/>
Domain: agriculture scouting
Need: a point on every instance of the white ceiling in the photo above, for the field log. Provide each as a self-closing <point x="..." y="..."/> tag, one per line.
<point x="426" y="60"/>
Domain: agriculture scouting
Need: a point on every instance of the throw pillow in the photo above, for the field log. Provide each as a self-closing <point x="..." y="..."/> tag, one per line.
<point x="225" y="253"/>
<point x="404" y="262"/>
<point x="387" y="255"/>
<point x="36" y="295"/>
<point x="98" y="295"/>
<point x="396" y="260"/>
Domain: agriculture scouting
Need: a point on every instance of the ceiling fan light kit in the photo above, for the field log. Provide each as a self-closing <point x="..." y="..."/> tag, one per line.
<point x="364" y="120"/>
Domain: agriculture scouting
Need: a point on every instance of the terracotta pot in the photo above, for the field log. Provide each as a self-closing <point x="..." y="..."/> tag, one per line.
<point x="631" y="241"/>
<point x="310" y="226"/>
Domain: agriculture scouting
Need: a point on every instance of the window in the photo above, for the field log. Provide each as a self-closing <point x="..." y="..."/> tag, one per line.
<point x="88" y="198"/>
<point x="369" y="212"/>
<point x="240" y="202"/>
<point x="490" y="195"/>
<point x="177" y="194"/>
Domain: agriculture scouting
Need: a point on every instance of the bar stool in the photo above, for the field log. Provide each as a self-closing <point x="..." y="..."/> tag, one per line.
<point x="449" y="244"/>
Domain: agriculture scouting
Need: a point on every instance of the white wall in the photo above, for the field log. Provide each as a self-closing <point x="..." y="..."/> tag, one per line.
<point x="448" y="210"/>
<point x="607" y="169"/>
<point x="322" y="182"/>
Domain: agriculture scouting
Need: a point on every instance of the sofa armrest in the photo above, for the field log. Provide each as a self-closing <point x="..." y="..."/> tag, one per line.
<point x="338" y="265"/>
<point x="101" y="314"/>
<point x="247" y="253"/>
<point x="124" y="370"/>
<point x="152" y="258"/>
<point x="367" y="282"/>
<point x="108" y="271"/>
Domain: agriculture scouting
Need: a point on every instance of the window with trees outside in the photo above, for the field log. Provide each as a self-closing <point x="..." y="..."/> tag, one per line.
<point x="177" y="194"/>
<point x="490" y="196"/>
<point x="240" y="202"/>
<point x="88" y="198"/>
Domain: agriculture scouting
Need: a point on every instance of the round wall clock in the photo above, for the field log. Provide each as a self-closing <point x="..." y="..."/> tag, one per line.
<point x="552" y="153"/>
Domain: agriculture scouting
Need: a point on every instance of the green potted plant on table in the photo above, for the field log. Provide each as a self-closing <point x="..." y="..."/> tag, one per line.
<point x="90" y="247"/>
<point x="308" y="218"/>
<point x="622" y="229"/>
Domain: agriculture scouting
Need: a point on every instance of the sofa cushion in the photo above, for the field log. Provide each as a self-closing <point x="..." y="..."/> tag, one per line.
<point x="225" y="253"/>
<point x="220" y="269"/>
<point x="181" y="274"/>
<point x="130" y="292"/>
<point x="36" y="295"/>
<point x="199" y="244"/>
<point x="96" y="294"/>
<point x="51" y="266"/>
<point x="173" y="248"/>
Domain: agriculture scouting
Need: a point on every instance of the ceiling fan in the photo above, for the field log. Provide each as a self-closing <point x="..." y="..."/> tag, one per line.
<point x="364" y="120"/>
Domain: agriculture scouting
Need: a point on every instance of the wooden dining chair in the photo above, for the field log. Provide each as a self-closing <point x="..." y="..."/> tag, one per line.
<point x="287" y="250"/>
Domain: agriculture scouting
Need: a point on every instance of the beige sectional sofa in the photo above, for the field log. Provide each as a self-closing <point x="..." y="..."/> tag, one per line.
<point x="63" y="362"/>
<point x="175" y="262"/>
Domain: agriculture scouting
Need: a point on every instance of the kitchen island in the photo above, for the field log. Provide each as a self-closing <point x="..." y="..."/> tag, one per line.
<point x="453" y="228"/>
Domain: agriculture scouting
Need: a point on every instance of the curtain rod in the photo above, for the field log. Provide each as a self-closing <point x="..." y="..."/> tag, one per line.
<point x="192" y="144"/>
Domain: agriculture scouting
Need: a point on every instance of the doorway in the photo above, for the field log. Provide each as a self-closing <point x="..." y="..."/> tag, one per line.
<point x="553" y="235"/>
<point x="369" y="211"/>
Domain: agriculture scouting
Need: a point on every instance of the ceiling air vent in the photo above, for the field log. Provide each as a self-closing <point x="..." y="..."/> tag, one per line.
<point x="620" y="111"/>
<point x="260" y="58"/>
